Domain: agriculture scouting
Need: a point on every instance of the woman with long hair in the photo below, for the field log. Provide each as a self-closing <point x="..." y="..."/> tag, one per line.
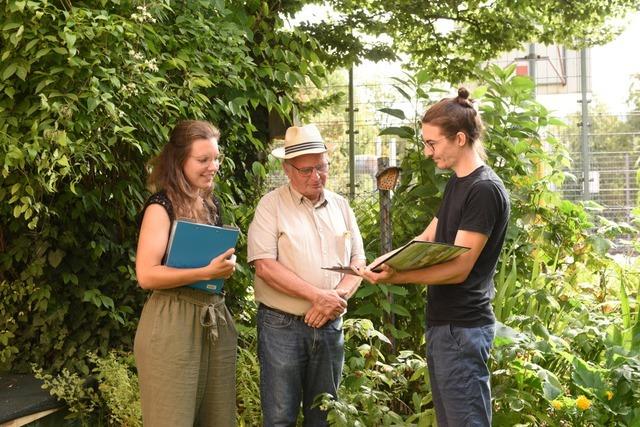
<point x="185" y="344"/>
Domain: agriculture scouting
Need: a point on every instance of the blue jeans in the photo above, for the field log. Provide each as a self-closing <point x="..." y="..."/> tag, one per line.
<point x="457" y="361"/>
<point x="297" y="363"/>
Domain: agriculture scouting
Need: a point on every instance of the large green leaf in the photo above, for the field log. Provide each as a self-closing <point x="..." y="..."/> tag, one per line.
<point x="588" y="377"/>
<point x="402" y="132"/>
<point x="551" y="386"/>
<point x="393" y="112"/>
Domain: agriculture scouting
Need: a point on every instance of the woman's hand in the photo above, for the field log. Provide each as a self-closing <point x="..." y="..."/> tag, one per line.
<point x="223" y="265"/>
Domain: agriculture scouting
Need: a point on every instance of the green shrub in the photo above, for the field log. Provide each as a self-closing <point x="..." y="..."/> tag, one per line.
<point x="110" y="395"/>
<point x="88" y="93"/>
<point x="248" y="378"/>
<point x="379" y="390"/>
<point x="553" y="280"/>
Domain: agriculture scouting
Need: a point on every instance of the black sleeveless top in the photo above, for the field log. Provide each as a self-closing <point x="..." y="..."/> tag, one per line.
<point x="162" y="199"/>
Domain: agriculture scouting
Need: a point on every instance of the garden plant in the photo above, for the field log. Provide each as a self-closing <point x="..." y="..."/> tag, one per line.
<point x="88" y="93"/>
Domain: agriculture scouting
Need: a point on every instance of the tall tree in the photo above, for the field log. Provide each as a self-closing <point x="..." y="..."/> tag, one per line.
<point x="450" y="38"/>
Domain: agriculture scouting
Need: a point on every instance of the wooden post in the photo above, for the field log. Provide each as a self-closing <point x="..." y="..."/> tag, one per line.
<point x="385" y="235"/>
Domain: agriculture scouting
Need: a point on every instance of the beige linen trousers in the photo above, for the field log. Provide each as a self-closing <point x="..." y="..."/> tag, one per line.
<point x="185" y="350"/>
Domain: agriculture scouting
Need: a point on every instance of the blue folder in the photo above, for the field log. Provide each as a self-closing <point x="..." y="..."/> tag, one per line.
<point x="194" y="245"/>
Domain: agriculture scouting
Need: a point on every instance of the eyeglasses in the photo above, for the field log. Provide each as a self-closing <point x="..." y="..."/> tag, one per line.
<point x="306" y="172"/>
<point x="432" y="142"/>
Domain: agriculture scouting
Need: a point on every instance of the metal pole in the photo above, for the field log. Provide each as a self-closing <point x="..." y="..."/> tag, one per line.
<point x="385" y="235"/>
<point x="352" y="139"/>
<point x="532" y="65"/>
<point x="627" y="186"/>
<point x="584" y="125"/>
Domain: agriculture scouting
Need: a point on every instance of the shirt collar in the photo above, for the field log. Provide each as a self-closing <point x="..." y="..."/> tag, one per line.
<point x="301" y="199"/>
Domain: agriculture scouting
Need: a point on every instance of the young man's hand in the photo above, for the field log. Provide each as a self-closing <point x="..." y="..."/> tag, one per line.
<point x="384" y="276"/>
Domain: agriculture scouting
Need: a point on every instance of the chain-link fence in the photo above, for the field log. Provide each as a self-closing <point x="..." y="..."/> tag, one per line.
<point x="613" y="154"/>
<point x="613" y="160"/>
<point x="612" y="182"/>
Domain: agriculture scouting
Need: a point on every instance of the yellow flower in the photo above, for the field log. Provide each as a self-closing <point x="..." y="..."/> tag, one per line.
<point x="556" y="404"/>
<point x="609" y="395"/>
<point x="583" y="403"/>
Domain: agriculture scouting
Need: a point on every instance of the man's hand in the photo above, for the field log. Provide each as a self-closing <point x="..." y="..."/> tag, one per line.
<point x="384" y="276"/>
<point x="328" y="305"/>
<point x="343" y="293"/>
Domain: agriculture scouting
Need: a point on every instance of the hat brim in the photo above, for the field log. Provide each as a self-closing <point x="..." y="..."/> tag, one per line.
<point x="280" y="154"/>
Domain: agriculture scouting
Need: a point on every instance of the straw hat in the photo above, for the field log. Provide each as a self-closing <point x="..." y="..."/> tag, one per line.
<point x="300" y="140"/>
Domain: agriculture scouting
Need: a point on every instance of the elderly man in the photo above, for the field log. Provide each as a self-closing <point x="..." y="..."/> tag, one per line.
<point x="298" y="229"/>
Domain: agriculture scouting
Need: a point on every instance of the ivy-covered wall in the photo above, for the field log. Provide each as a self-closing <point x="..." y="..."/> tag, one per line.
<point x="88" y="93"/>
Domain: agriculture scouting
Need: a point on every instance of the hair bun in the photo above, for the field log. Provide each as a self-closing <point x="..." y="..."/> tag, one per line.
<point x="463" y="98"/>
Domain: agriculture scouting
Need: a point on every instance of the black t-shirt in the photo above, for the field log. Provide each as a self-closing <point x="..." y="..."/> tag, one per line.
<point x="477" y="202"/>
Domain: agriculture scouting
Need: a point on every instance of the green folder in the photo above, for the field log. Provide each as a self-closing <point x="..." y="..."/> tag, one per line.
<point x="419" y="254"/>
<point x="414" y="255"/>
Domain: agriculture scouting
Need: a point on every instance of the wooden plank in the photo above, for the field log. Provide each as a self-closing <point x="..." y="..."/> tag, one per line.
<point x="28" y="418"/>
